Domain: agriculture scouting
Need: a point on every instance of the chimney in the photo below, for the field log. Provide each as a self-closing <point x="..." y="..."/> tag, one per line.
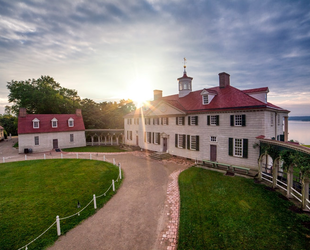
<point x="158" y="94"/>
<point x="224" y="79"/>
<point x="22" y="112"/>
<point x="78" y="112"/>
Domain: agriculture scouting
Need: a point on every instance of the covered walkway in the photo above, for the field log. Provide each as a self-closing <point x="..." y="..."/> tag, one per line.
<point x="286" y="165"/>
<point x="98" y="137"/>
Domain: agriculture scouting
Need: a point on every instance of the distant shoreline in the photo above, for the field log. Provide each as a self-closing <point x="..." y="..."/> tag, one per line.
<point x="299" y="118"/>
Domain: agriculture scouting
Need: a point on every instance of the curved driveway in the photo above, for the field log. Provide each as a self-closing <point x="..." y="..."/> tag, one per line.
<point x="135" y="218"/>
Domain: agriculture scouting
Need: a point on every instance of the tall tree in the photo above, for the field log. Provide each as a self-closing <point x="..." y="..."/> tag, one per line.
<point x="42" y="96"/>
<point x="9" y="123"/>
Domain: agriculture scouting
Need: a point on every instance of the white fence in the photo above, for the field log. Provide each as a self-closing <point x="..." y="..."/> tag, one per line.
<point x="90" y="156"/>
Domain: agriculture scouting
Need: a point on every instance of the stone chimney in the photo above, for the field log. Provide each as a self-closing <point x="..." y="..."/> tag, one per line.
<point x="224" y="79"/>
<point x="78" y="112"/>
<point x="158" y="94"/>
<point x="22" y="112"/>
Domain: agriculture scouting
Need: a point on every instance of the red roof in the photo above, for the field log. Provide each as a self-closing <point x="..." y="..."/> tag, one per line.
<point x="228" y="98"/>
<point x="25" y="124"/>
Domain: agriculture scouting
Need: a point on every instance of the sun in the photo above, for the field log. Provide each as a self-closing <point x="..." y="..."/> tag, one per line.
<point x="139" y="91"/>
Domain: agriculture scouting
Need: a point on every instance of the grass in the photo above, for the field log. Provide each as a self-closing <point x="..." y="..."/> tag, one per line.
<point x="32" y="193"/>
<point x="221" y="212"/>
<point x="105" y="149"/>
<point x="308" y="146"/>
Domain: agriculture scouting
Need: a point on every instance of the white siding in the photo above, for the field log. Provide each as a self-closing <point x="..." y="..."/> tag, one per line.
<point x="46" y="141"/>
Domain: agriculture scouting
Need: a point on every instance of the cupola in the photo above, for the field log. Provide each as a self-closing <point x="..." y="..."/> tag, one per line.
<point x="185" y="83"/>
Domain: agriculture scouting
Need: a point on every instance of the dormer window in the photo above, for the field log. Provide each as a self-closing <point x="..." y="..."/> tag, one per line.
<point x="207" y="96"/>
<point x="205" y="99"/>
<point x="71" y="122"/>
<point x="36" y="123"/>
<point x="54" y="123"/>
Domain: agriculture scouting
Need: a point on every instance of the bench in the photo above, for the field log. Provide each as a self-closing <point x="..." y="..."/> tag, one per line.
<point x="212" y="163"/>
<point x="241" y="168"/>
<point x="225" y="165"/>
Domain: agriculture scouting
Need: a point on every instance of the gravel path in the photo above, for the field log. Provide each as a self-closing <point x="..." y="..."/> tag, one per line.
<point x="136" y="217"/>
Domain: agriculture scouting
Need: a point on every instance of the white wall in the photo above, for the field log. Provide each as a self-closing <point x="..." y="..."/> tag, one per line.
<point x="46" y="141"/>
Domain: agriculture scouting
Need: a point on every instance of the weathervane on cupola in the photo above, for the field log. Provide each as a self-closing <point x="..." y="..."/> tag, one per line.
<point x="185" y="82"/>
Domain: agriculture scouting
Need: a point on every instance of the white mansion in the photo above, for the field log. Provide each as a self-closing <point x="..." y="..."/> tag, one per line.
<point x="218" y="124"/>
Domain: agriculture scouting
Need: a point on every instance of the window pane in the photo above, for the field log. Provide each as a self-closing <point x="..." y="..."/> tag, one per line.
<point x="238" y="120"/>
<point x="238" y="147"/>
<point x="193" y="142"/>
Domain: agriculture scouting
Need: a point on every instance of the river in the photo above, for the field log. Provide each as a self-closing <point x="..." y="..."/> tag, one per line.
<point x="299" y="131"/>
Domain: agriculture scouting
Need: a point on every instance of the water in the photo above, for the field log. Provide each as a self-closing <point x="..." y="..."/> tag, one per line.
<point x="299" y="131"/>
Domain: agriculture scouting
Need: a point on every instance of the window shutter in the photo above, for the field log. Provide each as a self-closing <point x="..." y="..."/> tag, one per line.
<point x="144" y="136"/>
<point x="184" y="139"/>
<point x="188" y="142"/>
<point x="245" y="148"/>
<point x="176" y="140"/>
<point x="161" y="121"/>
<point x="158" y="138"/>
<point x="232" y="122"/>
<point x="197" y="142"/>
<point x="208" y="120"/>
<point x="152" y="137"/>
<point x="176" y="121"/>
<point x="217" y="120"/>
<point x="189" y="120"/>
<point x="153" y="121"/>
<point x="196" y="120"/>
<point x="243" y="121"/>
<point x="183" y="120"/>
<point x="167" y="120"/>
<point x="230" y="146"/>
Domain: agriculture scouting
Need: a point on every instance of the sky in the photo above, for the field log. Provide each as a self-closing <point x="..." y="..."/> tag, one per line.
<point x="110" y="50"/>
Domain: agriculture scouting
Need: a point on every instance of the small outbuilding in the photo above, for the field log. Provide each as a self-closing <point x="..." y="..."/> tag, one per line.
<point x="44" y="132"/>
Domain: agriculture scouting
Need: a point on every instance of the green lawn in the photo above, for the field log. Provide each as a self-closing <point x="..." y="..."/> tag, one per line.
<point x="106" y="149"/>
<point x="222" y="212"/>
<point x="32" y="193"/>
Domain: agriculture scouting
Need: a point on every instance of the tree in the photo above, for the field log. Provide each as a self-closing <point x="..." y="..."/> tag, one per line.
<point x="9" y="123"/>
<point x="42" y="96"/>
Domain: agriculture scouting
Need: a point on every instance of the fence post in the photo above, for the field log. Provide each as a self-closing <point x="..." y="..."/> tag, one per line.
<point x="58" y="225"/>
<point x="95" y="203"/>
<point x="3" y="160"/>
<point x="113" y="185"/>
<point x="44" y="157"/>
<point x="77" y="155"/>
<point x="113" y="161"/>
<point x="90" y="156"/>
<point x="120" y="171"/>
<point x="25" y="157"/>
<point x="104" y="158"/>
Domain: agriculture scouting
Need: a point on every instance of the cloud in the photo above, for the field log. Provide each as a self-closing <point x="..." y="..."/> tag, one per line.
<point x="97" y="47"/>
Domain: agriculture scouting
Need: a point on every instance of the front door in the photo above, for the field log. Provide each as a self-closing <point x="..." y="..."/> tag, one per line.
<point x="165" y="146"/>
<point x="212" y="152"/>
<point x="55" y="143"/>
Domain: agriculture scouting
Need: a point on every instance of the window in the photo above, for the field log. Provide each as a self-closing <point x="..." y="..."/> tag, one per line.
<point x="205" y="99"/>
<point x="180" y="141"/>
<point x="148" y="137"/>
<point x="71" y="137"/>
<point x="54" y="123"/>
<point x="213" y="120"/>
<point x="156" y="121"/>
<point x="136" y="121"/>
<point x="213" y="138"/>
<point x="193" y="120"/>
<point x="147" y="121"/>
<point x="36" y="140"/>
<point x="180" y="121"/>
<point x="129" y="135"/>
<point x="193" y="142"/>
<point x="278" y="120"/>
<point x="36" y="123"/>
<point x="156" y="138"/>
<point x="238" y="147"/>
<point x="271" y="119"/>
<point x="238" y="120"/>
<point x="71" y="122"/>
<point x="164" y="121"/>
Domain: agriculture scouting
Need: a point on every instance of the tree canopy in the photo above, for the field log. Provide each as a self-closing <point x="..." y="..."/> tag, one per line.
<point x="46" y="96"/>
<point x="42" y="96"/>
